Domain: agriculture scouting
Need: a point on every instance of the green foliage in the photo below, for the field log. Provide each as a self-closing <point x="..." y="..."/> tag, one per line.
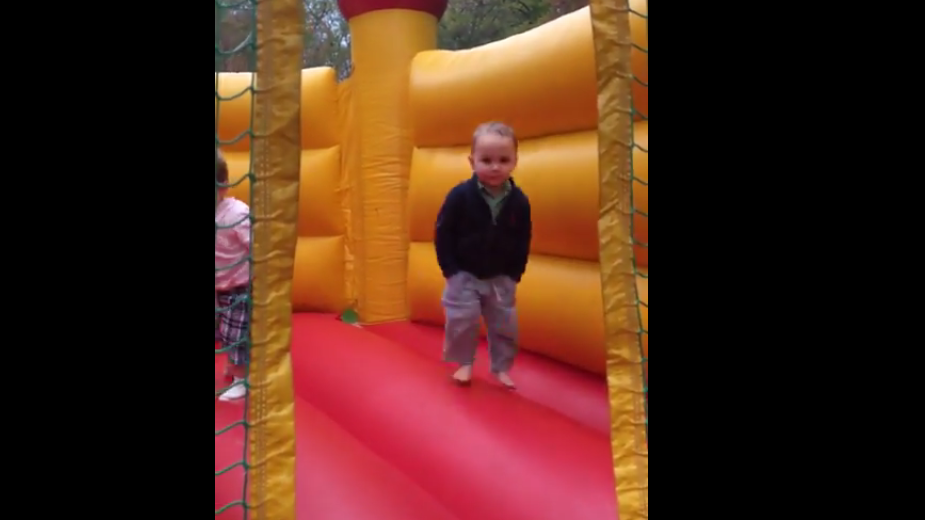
<point x="466" y="24"/>
<point x="235" y="36"/>
<point x="470" y="23"/>
<point x="350" y="317"/>
<point x="327" y="36"/>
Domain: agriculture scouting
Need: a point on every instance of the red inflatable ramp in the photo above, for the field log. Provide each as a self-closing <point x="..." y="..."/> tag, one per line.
<point x="571" y="392"/>
<point x="337" y="478"/>
<point x="485" y="453"/>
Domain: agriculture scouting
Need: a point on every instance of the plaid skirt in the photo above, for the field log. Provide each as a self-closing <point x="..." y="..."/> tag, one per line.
<point x="234" y="324"/>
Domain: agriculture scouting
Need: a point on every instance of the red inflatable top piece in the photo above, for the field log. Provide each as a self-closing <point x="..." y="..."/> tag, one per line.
<point x="351" y="8"/>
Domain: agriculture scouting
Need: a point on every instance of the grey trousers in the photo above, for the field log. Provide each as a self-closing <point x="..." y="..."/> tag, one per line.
<point x="465" y="298"/>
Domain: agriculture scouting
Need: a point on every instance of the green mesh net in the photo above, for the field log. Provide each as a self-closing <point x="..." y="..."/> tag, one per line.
<point x="643" y="330"/>
<point x="234" y="56"/>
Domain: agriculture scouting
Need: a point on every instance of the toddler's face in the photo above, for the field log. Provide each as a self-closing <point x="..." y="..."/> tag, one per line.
<point x="493" y="159"/>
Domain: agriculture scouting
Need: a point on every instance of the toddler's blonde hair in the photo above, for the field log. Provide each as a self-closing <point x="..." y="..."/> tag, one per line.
<point x="494" y="128"/>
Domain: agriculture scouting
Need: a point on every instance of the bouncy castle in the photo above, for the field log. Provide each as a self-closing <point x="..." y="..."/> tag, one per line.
<point x="356" y="419"/>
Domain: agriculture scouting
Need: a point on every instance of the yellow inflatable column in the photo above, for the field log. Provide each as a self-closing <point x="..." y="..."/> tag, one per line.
<point x="610" y="23"/>
<point x="276" y="157"/>
<point x="385" y="35"/>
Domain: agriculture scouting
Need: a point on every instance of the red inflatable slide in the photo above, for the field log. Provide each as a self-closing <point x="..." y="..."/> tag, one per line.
<point x="382" y="433"/>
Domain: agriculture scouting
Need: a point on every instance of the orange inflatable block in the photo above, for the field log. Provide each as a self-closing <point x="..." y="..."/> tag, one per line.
<point x="549" y="85"/>
<point x="550" y="82"/>
<point x="233" y="110"/>
<point x="320" y="209"/>
<point x="320" y="122"/>
<point x="320" y="212"/>
<point x="318" y="279"/>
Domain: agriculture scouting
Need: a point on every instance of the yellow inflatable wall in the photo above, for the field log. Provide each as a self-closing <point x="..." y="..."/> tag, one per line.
<point x="319" y="283"/>
<point x="555" y="117"/>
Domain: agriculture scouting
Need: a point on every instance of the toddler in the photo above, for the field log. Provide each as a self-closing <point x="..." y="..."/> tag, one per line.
<point x="482" y="237"/>
<point x="232" y="277"/>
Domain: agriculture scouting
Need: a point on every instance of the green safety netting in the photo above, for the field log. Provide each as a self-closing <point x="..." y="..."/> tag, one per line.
<point x="643" y="214"/>
<point x="242" y="56"/>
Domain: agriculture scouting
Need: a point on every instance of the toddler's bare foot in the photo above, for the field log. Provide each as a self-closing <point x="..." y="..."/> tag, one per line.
<point x="506" y="380"/>
<point x="463" y="375"/>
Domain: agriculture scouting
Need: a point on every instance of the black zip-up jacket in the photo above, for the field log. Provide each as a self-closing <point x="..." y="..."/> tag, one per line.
<point x="468" y="240"/>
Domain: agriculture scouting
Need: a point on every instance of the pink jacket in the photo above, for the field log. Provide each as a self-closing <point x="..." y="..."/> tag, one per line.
<point x="232" y="244"/>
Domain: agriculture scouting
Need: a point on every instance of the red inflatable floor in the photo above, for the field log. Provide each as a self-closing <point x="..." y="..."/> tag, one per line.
<point x="382" y="434"/>
<point x="336" y="476"/>
<point x="573" y="393"/>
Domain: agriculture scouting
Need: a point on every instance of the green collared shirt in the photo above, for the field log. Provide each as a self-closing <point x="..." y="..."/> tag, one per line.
<point x="495" y="202"/>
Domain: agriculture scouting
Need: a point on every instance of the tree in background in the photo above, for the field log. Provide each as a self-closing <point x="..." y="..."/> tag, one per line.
<point x="327" y="37"/>
<point x="234" y="35"/>
<point x="470" y="23"/>
<point x="466" y="24"/>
